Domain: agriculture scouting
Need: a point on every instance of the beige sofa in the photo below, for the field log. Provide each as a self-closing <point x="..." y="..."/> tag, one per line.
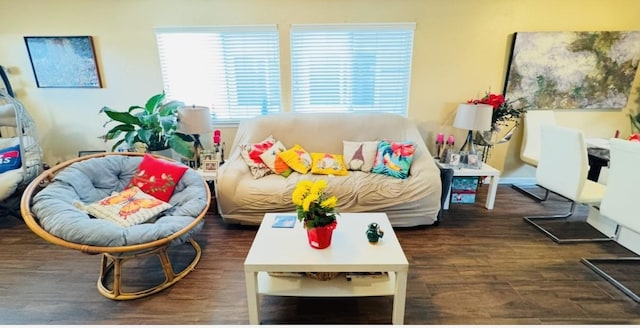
<point x="413" y="201"/>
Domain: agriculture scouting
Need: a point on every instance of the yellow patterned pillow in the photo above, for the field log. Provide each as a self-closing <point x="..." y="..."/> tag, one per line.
<point x="325" y="163"/>
<point x="297" y="158"/>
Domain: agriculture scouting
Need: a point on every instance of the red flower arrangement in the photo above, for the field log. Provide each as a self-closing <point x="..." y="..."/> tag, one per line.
<point x="503" y="109"/>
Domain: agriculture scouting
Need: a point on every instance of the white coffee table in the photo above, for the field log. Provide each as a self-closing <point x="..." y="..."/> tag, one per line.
<point x="287" y="250"/>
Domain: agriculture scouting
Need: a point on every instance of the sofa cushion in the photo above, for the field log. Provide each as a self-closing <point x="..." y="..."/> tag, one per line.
<point x="326" y="163"/>
<point x="297" y="158"/>
<point x="157" y="177"/>
<point x="274" y="162"/>
<point x="251" y="155"/>
<point x="394" y="158"/>
<point x="359" y="155"/>
<point x="129" y="207"/>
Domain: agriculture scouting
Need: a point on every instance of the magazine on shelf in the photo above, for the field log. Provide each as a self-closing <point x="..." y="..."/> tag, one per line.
<point x="366" y="275"/>
<point x="284" y="221"/>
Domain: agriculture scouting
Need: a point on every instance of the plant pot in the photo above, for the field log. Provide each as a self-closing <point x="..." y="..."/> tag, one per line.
<point x="320" y="237"/>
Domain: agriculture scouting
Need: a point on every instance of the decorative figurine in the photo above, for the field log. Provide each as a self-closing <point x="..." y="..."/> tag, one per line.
<point x="374" y="232"/>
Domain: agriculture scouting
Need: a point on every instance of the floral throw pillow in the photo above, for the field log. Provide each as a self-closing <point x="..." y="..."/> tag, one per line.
<point x="359" y="155"/>
<point x="297" y="158"/>
<point x="127" y="208"/>
<point x="325" y="163"/>
<point x="251" y="155"/>
<point x="157" y="177"/>
<point x="274" y="162"/>
<point x="394" y="158"/>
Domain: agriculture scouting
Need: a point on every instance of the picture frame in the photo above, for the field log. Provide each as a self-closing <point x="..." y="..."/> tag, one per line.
<point x="564" y="70"/>
<point x="207" y="155"/>
<point x="473" y="162"/>
<point x="453" y="158"/>
<point x="209" y="166"/>
<point x="63" y="61"/>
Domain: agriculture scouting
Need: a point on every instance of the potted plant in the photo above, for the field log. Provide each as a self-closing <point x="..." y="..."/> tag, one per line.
<point x="154" y="125"/>
<point x="316" y="210"/>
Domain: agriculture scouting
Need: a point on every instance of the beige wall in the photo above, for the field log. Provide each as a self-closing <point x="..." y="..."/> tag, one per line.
<point x="461" y="50"/>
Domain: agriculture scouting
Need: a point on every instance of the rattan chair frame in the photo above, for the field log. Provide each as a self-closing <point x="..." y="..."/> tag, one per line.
<point x="113" y="257"/>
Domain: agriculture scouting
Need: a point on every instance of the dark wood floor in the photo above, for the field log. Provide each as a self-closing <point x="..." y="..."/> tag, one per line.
<point x="476" y="267"/>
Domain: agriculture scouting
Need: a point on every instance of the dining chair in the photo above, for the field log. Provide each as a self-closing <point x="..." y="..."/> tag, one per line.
<point x="617" y="205"/>
<point x="562" y="170"/>
<point x="531" y="139"/>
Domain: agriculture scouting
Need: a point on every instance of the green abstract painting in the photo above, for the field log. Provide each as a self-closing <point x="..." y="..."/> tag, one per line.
<point x="573" y="70"/>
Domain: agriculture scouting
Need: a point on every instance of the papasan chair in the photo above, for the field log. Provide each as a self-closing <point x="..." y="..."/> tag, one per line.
<point x="72" y="204"/>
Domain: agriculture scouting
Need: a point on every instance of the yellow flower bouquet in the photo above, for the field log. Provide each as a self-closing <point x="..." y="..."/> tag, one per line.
<point x="313" y="206"/>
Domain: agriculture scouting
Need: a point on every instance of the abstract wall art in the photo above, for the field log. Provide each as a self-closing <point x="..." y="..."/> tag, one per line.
<point x="573" y="70"/>
<point x="63" y="61"/>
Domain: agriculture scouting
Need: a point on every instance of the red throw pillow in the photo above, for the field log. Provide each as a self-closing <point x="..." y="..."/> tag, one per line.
<point x="157" y="177"/>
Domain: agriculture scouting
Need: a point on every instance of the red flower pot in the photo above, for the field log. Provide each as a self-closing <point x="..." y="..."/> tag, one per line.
<point x="320" y="237"/>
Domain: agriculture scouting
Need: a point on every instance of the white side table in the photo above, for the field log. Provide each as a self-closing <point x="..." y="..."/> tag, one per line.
<point x="485" y="170"/>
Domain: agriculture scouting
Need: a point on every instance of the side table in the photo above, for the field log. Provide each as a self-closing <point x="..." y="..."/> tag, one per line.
<point x="485" y="171"/>
<point x="211" y="177"/>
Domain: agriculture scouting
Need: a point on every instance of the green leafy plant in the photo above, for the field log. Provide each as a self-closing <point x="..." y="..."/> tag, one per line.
<point x="155" y="125"/>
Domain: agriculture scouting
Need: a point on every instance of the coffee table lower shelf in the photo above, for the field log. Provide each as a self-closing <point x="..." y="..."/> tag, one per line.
<point x="336" y="287"/>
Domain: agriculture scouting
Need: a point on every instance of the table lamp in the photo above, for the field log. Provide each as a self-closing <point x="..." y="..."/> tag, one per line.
<point x="473" y="117"/>
<point x="194" y="120"/>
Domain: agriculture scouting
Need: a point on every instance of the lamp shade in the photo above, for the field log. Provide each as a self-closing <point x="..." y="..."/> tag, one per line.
<point x="476" y="117"/>
<point x="194" y="119"/>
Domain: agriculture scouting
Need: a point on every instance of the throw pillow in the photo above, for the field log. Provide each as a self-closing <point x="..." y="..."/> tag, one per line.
<point x="359" y="155"/>
<point x="325" y="163"/>
<point x="394" y="158"/>
<point x="297" y="158"/>
<point x="251" y="155"/>
<point x="129" y="207"/>
<point x="157" y="177"/>
<point x="10" y="158"/>
<point x="275" y="163"/>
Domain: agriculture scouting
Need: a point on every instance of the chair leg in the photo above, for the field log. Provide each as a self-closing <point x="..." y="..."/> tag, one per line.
<point x="595" y="235"/>
<point x="593" y="265"/>
<point x="531" y="194"/>
<point x="113" y="263"/>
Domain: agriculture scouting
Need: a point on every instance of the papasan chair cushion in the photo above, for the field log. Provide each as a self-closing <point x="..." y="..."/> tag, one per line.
<point x="91" y="180"/>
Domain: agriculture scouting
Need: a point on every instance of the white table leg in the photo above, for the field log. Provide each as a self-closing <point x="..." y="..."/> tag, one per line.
<point x="399" y="298"/>
<point x="491" y="194"/>
<point x="253" y="301"/>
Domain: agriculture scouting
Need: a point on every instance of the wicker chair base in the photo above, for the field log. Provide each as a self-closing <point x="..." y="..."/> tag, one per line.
<point x="113" y="264"/>
<point x="322" y="276"/>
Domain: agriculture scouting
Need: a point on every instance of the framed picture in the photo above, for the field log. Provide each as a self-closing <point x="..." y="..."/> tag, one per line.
<point x="453" y="158"/>
<point x="473" y="162"/>
<point x="63" y="61"/>
<point x="207" y="155"/>
<point x="573" y="70"/>
<point x="210" y="166"/>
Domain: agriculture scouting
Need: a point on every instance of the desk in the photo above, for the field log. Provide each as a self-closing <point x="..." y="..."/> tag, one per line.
<point x="485" y="171"/>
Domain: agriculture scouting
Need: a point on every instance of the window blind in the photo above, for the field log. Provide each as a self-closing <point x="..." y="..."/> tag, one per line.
<point x="235" y="70"/>
<point x="351" y="67"/>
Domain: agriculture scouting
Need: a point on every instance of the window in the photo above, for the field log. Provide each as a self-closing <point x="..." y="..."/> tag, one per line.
<point x="352" y="67"/>
<point x="233" y="70"/>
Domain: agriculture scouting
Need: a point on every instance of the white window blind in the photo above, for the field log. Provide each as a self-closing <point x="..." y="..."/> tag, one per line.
<point x="235" y="70"/>
<point x="351" y="67"/>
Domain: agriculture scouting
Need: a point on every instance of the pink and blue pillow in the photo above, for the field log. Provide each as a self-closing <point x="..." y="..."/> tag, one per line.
<point x="394" y="158"/>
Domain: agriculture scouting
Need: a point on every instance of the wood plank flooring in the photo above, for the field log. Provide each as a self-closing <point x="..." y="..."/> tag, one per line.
<point x="476" y="267"/>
